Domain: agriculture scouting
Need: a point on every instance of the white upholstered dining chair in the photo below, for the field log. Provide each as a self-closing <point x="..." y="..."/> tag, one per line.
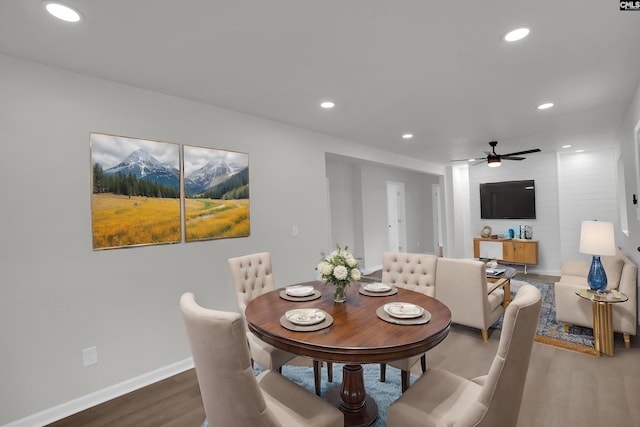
<point x="461" y="284"/>
<point x="252" y="276"/>
<point x="442" y="398"/>
<point x="232" y="395"/>
<point x="415" y="272"/>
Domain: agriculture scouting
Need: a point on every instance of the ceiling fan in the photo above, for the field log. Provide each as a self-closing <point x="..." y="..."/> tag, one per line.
<point x="494" y="159"/>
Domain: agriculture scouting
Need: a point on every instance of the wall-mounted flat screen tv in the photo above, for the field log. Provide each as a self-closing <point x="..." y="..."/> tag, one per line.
<point x="508" y="200"/>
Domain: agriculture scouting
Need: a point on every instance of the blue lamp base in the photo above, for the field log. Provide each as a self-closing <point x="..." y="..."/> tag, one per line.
<point x="597" y="278"/>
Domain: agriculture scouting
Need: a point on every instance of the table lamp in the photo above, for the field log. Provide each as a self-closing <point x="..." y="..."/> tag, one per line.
<point x="596" y="238"/>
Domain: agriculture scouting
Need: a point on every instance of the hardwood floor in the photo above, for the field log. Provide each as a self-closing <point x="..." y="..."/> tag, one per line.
<point x="173" y="402"/>
<point x="563" y="388"/>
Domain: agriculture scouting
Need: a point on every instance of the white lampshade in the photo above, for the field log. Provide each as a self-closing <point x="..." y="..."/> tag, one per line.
<point x="596" y="238"/>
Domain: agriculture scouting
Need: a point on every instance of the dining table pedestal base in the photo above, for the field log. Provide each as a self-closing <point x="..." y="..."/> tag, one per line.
<point x="359" y="409"/>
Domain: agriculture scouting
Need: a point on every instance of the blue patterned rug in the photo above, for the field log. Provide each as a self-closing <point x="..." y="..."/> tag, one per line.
<point x="550" y="331"/>
<point x="383" y="393"/>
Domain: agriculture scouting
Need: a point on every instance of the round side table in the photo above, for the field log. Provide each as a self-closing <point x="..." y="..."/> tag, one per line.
<point x="601" y="304"/>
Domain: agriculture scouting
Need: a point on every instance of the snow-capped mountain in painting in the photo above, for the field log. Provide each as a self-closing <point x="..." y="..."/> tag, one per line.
<point x="211" y="174"/>
<point x="144" y="166"/>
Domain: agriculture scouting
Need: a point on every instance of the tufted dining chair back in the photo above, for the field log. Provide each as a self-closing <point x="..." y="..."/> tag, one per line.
<point x="252" y="276"/>
<point x="233" y="396"/>
<point x="442" y="398"/>
<point x="416" y="272"/>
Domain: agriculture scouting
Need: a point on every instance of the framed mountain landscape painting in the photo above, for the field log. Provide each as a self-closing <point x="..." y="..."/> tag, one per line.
<point x="216" y="193"/>
<point x="135" y="192"/>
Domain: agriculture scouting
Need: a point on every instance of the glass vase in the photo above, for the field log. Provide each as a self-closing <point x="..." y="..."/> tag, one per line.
<point x="339" y="295"/>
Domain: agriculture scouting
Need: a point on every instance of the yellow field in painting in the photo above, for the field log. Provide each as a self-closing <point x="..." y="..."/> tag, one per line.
<point x="216" y="219"/>
<point x="125" y="221"/>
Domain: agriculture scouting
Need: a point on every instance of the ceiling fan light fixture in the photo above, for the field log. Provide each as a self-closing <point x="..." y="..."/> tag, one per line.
<point x="494" y="162"/>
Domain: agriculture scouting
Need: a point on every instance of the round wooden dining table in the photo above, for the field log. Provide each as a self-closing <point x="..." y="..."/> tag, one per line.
<point x="357" y="336"/>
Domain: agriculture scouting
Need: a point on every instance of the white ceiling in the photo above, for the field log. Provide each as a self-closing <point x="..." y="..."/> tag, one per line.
<point x="435" y="69"/>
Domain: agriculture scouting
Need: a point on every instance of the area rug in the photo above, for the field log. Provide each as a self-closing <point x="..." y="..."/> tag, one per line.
<point x="383" y="393"/>
<point x="550" y="331"/>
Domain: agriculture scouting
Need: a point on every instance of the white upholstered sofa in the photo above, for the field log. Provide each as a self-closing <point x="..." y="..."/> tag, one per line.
<point x="461" y="284"/>
<point x="621" y="275"/>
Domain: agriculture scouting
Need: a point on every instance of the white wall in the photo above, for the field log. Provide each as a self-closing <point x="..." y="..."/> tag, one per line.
<point x="587" y="191"/>
<point x="359" y="208"/>
<point x="629" y="155"/>
<point x="58" y="296"/>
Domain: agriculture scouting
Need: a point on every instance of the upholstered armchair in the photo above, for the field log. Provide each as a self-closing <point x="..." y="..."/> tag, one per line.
<point x="232" y="395"/>
<point x="621" y="276"/>
<point x="461" y="284"/>
<point x="415" y="272"/>
<point x="442" y="398"/>
<point x="252" y="275"/>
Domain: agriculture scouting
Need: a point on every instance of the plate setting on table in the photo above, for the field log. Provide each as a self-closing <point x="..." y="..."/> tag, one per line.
<point x="378" y="289"/>
<point x="403" y="313"/>
<point x="299" y="293"/>
<point x="403" y="310"/>
<point x="306" y="319"/>
<point x="305" y="316"/>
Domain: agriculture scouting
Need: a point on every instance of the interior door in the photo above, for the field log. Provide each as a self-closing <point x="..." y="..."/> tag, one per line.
<point x="395" y="216"/>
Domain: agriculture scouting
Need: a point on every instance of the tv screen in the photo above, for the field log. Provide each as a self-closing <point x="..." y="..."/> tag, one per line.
<point x="508" y="200"/>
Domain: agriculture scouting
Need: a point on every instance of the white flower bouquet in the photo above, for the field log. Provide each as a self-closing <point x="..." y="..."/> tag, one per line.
<point x="340" y="268"/>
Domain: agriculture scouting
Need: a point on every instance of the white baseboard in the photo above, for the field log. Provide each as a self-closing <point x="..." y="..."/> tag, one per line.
<point x="80" y="404"/>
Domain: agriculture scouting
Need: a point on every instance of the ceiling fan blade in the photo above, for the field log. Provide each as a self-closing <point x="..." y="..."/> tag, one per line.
<point x="478" y="162"/>
<point x="535" y="150"/>
<point x="512" y="158"/>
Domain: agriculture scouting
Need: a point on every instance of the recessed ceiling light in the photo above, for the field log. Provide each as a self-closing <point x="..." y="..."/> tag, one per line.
<point x="407" y="136"/>
<point x="62" y="12"/>
<point x="327" y="104"/>
<point x="517" y="34"/>
<point x="566" y="146"/>
<point x="545" y="105"/>
<point x="579" y="151"/>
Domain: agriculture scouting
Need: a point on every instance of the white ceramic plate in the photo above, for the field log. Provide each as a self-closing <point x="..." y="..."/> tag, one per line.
<point x="376" y="287"/>
<point x="403" y="310"/>
<point x="305" y="316"/>
<point x="299" y="291"/>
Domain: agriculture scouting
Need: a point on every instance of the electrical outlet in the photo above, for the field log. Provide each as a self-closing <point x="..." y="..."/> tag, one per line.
<point x="90" y="356"/>
<point x="294" y="231"/>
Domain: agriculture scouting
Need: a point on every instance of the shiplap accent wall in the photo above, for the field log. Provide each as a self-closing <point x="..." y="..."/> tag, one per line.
<point x="570" y="188"/>
<point x="587" y="191"/>
<point x="542" y="167"/>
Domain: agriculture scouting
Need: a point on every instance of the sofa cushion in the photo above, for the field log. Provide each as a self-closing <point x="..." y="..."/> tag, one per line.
<point x="613" y="267"/>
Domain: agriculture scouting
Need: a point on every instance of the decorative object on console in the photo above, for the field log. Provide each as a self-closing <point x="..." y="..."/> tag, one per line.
<point x="596" y="238"/>
<point x="486" y="231"/>
<point x="339" y="269"/>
